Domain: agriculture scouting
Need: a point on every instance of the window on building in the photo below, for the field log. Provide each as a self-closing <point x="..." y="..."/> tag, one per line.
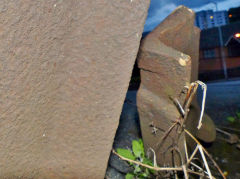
<point x="209" y="53"/>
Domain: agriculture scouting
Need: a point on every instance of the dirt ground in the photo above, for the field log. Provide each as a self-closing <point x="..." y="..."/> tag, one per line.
<point x="223" y="100"/>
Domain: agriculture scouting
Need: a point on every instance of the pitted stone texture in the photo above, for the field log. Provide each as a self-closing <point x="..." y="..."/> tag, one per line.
<point x="168" y="59"/>
<point x="178" y="32"/>
<point x="64" y="72"/>
<point x="165" y="70"/>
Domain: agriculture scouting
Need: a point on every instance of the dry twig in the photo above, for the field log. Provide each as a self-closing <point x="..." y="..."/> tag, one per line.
<point x="206" y="152"/>
<point x="148" y="166"/>
<point x="204" y="88"/>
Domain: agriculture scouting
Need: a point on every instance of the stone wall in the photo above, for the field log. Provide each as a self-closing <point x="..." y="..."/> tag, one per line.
<point x="64" y="72"/>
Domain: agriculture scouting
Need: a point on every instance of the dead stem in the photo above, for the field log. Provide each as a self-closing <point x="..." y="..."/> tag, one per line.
<point x="206" y="152"/>
<point x="193" y="154"/>
<point x="188" y="100"/>
<point x="185" y="172"/>
<point x="185" y="147"/>
<point x="205" y="162"/>
<point x="231" y="129"/>
<point x="154" y="157"/>
<point x="199" y="168"/>
<point x="148" y="166"/>
<point x="223" y="132"/>
<point x="204" y="88"/>
<point x="165" y="135"/>
<point x="157" y="168"/>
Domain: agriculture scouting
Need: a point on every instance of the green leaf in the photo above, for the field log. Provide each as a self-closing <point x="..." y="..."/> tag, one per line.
<point x="125" y="153"/>
<point x="147" y="171"/>
<point x="230" y="119"/>
<point x="238" y="114"/>
<point x="143" y="175"/>
<point x="141" y="143"/>
<point x="137" y="169"/>
<point x="147" y="161"/>
<point x="138" y="149"/>
<point x="129" y="176"/>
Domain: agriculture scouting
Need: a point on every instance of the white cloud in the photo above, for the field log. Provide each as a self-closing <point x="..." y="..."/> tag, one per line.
<point x="158" y="16"/>
<point x="224" y="5"/>
<point x="160" y="9"/>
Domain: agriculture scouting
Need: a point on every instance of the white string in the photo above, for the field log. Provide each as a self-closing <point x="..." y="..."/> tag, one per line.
<point x="154" y="157"/>
<point x="204" y="88"/>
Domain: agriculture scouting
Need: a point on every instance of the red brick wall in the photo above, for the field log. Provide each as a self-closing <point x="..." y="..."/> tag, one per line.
<point x="213" y="64"/>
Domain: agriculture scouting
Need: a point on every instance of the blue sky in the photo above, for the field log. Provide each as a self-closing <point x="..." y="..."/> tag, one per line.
<point x="159" y="9"/>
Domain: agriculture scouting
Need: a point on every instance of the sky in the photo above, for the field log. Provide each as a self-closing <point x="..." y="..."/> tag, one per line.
<point x="160" y="9"/>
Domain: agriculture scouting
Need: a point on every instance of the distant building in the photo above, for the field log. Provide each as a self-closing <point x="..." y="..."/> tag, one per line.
<point x="210" y="60"/>
<point x="209" y="19"/>
<point x="234" y="15"/>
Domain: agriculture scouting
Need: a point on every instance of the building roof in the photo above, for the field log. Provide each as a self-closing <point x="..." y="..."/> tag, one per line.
<point x="231" y="39"/>
<point x="210" y="37"/>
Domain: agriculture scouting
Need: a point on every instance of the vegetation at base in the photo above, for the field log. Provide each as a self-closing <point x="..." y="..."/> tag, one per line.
<point x="137" y="154"/>
<point x="234" y="118"/>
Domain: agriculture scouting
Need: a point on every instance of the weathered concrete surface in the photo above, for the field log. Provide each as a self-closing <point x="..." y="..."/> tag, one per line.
<point x="64" y="72"/>
<point x="164" y="72"/>
<point x="166" y="67"/>
<point x="186" y="38"/>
